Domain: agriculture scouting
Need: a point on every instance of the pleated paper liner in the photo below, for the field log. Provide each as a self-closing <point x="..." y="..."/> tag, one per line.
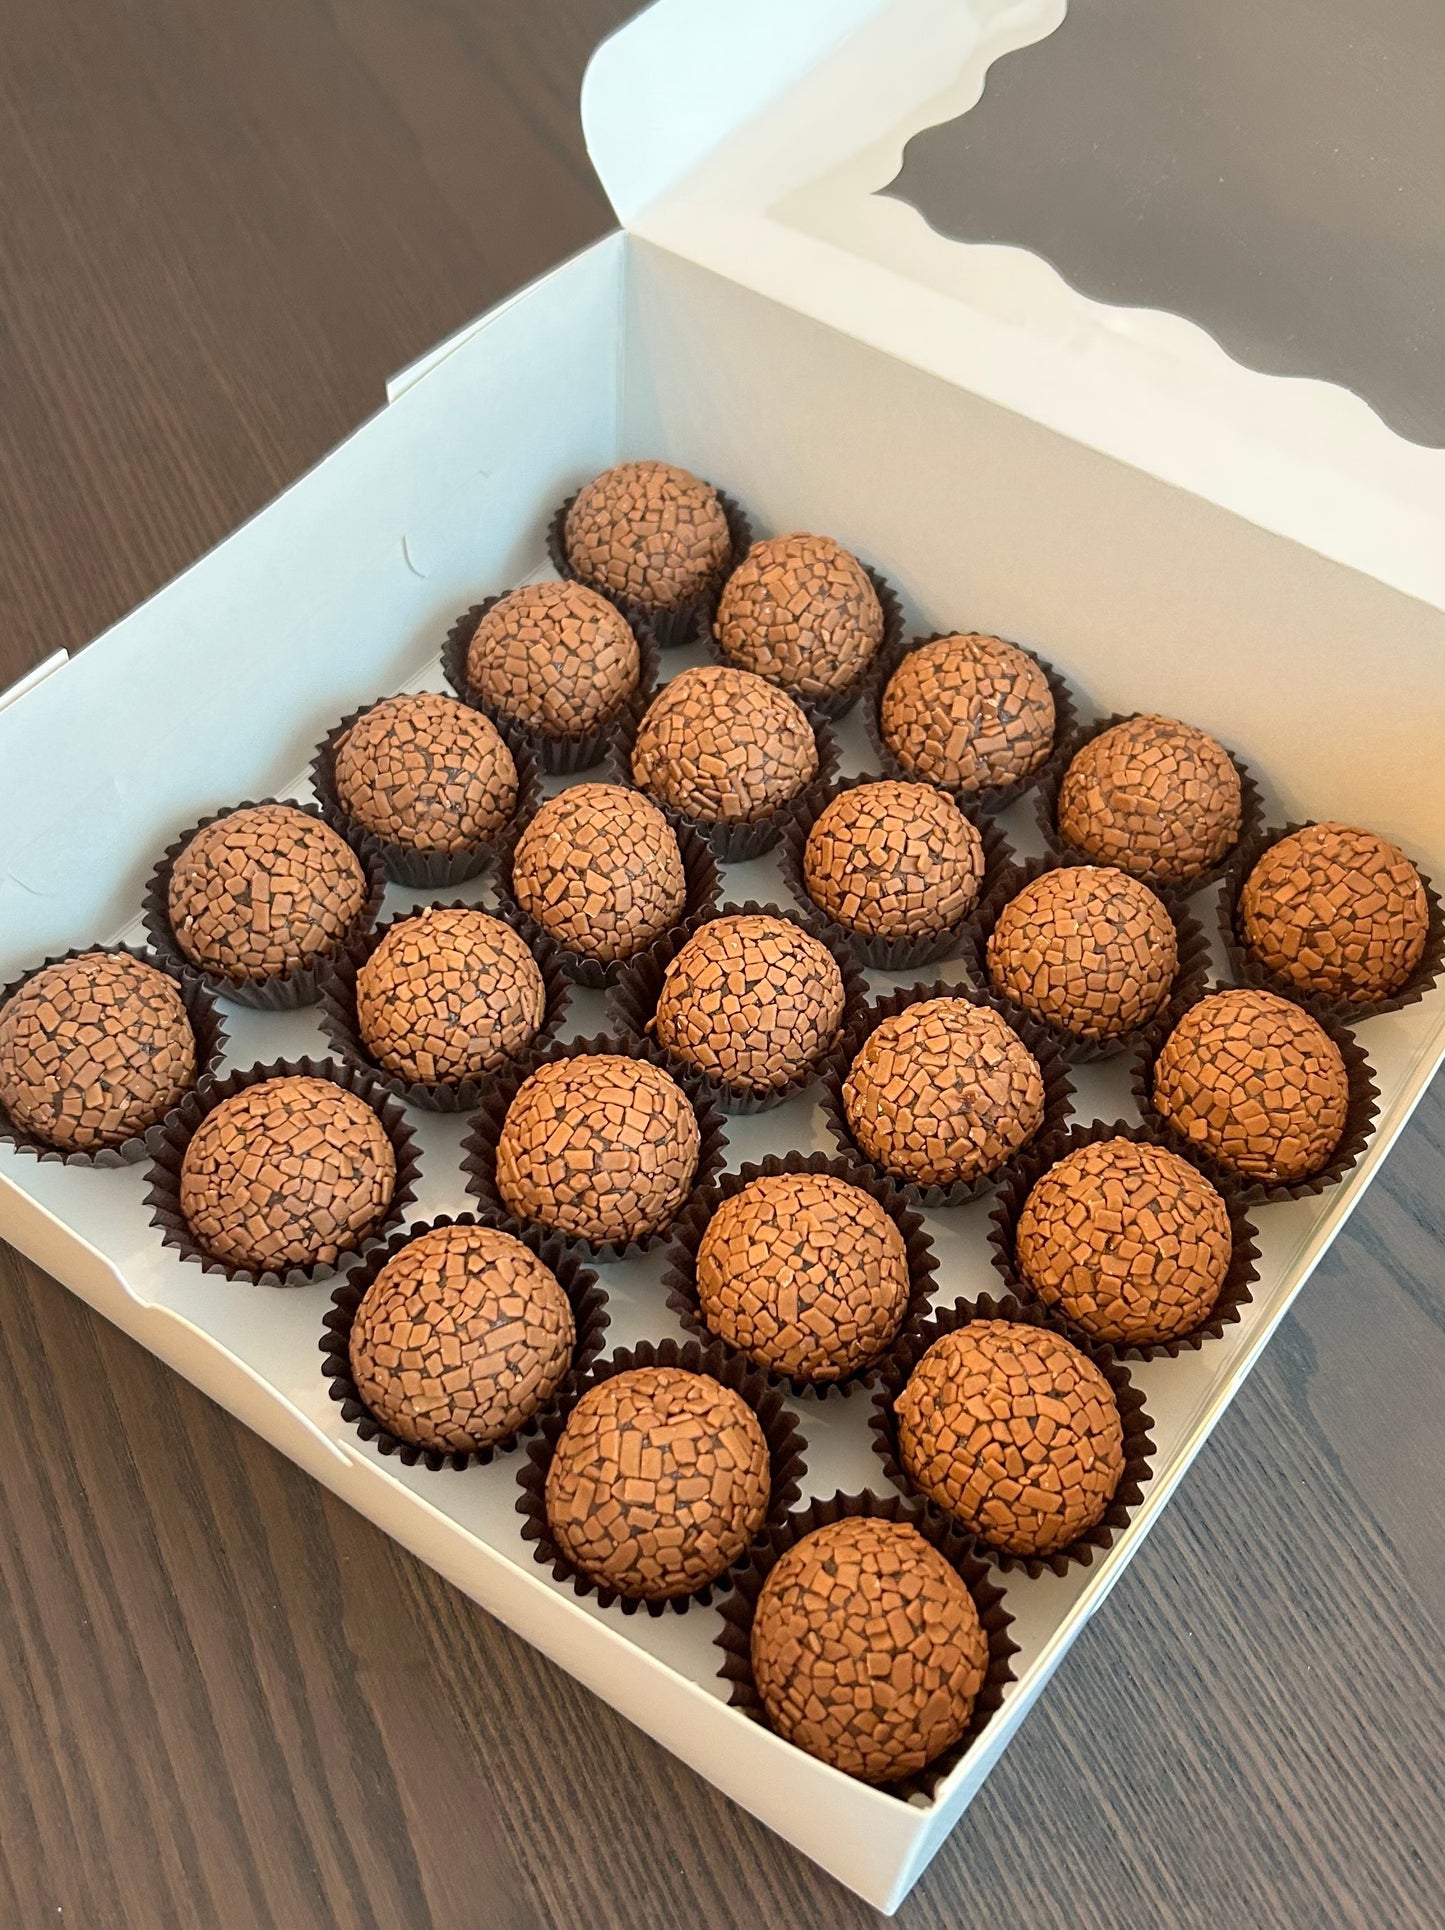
<point x="994" y="797"/>
<point x="564" y="753"/>
<point x="918" y="949"/>
<point x="1246" y="970"/>
<point x="1360" y="1113"/>
<point x="422" y="870"/>
<point x="786" y="1465"/>
<point x="679" y="1282"/>
<point x="737" y="1612"/>
<point x="1193" y="968"/>
<point x="833" y="703"/>
<point x="210" y="1037"/>
<point x="632" y="1007"/>
<point x="342" y="1027"/>
<point x="165" y="1172"/>
<point x="283" y="991"/>
<point x="479" y="1148"/>
<point x="1138" y="1444"/>
<point x="1235" y="1288"/>
<point x="700" y="875"/>
<point x="683" y="623"/>
<point x="584" y="1294"/>
<point x="1058" y="1093"/>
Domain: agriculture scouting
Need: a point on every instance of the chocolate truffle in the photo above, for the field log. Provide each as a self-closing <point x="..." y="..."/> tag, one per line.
<point x="943" y="1091"/>
<point x="556" y="657"/>
<point x="1014" y="1433"/>
<point x="723" y="744"/>
<point x="426" y="772"/>
<point x="893" y="860"/>
<point x="867" y="1649"/>
<point x="448" y="995"/>
<point x="971" y="713"/>
<point x="601" y="1147"/>
<point x="1086" y="948"/>
<point x="800" y="611"/>
<point x="649" y="532"/>
<point x="1255" y="1083"/>
<point x="264" y="891"/>
<point x="460" y="1338"/>
<point x="659" y="1482"/>
<point x="600" y="870"/>
<point x="1127" y="1240"/>
<point x="94" y="1051"/>
<point x="750" y="1001"/>
<point x="1336" y="910"/>
<point x="1158" y="798"/>
<point x="805" y="1274"/>
<point x="292" y="1172"/>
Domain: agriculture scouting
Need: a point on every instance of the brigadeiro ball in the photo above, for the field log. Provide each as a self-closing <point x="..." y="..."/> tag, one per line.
<point x="94" y="1051"/>
<point x="1129" y="1241"/>
<point x="1254" y="1082"/>
<point x="600" y="870"/>
<point x="751" y="1002"/>
<point x="449" y="995"/>
<point x="649" y="532"/>
<point x="600" y="1147"/>
<point x="867" y="1649"/>
<point x="943" y="1091"/>
<point x="1014" y="1433"/>
<point x="292" y="1172"/>
<point x="893" y="860"/>
<point x="801" y="611"/>
<point x="1086" y="948"/>
<point x="971" y="713"/>
<point x="556" y="657"/>
<point x="426" y="772"/>
<point x="1158" y="798"/>
<point x="1336" y="910"/>
<point x="460" y="1339"/>
<point x="805" y="1274"/>
<point x="264" y="891"/>
<point x="658" y="1483"/>
<point x="723" y="744"/>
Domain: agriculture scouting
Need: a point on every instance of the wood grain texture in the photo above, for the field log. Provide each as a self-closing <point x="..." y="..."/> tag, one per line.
<point x="224" y="1698"/>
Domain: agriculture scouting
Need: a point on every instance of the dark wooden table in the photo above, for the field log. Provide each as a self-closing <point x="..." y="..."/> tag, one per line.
<point x="224" y="1698"/>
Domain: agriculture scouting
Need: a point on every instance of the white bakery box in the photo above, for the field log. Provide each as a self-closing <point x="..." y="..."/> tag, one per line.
<point x="1259" y="556"/>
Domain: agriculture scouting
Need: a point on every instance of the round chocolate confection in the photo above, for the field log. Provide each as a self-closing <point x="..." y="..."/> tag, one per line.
<point x="800" y="611"/>
<point x="292" y="1172"/>
<point x="1336" y="910"/>
<point x="943" y="1091"/>
<point x="649" y="532"/>
<point x="600" y="870"/>
<point x="601" y="1147"/>
<point x="969" y="712"/>
<point x="805" y="1274"/>
<point x="1014" y="1433"/>
<point x="460" y="1339"/>
<point x="723" y="744"/>
<point x="893" y="860"/>
<point x="1086" y="948"/>
<point x="557" y="657"/>
<point x="658" y="1483"/>
<point x="94" y="1050"/>
<point x="427" y="773"/>
<point x="264" y="891"/>
<point x="750" y="1001"/>
<point x="1158" y="798"/>
<point x="1256" y="1083"/>
<point x="1129" y="1241"/>
<point x="867" y="1649"/>
<point x="449" y="995"/>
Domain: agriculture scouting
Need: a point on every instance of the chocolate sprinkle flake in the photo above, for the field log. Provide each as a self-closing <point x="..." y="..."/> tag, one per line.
<point x="427" y="773"/>
<point x="1086" y="948"/>
<point x="650" y="533"/>
<point x="892" y="860"/>
<point x="800" y="611"/>
<point x="449" y="995"/>
<point x="723" y="744"/>
<point x="600" y="871"/>
<point x="1159" y="799"/>
<point x="556" y="657"/>
<point x="969" y="712"/>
